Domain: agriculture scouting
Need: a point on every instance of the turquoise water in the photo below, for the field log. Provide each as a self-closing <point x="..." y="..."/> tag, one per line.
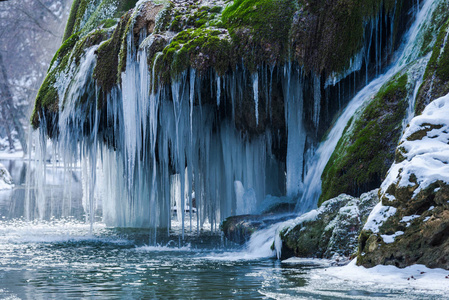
<point x="64" y="258"/>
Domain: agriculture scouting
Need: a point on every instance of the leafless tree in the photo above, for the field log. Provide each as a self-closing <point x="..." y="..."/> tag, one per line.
<point x="30" y="33"/>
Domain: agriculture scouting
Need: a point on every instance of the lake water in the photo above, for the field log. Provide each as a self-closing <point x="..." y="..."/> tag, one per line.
<point x="64" y="258"/>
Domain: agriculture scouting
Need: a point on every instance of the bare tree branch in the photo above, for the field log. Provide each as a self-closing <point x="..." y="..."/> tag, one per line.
<point x="36" y="22"/>
<point x="48" y="10"/>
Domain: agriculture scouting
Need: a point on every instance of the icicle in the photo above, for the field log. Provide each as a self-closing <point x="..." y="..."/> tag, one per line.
<point x="255" y="78"/>
<point x="316" y="100"/>
<point x="293" y="93"/>
<point x="218" y="90"/>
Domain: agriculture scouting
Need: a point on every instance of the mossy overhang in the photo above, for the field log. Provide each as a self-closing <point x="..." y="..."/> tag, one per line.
<point x="321" y="37"/>
<point x="248" y="32"/>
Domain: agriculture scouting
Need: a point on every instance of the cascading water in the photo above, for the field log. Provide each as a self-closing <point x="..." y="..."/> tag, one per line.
<point x="408" y="53"/>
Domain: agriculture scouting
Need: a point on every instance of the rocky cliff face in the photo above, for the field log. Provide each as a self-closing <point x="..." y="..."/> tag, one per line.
<point x="230" y="93"/>
<point x="409" y="225"/>
<point x="366" y="150"/>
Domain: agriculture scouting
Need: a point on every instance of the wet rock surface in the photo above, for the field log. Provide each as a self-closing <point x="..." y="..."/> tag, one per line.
<point x="238" y="229"/>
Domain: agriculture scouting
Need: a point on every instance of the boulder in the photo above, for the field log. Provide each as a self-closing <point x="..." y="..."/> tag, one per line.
<point x="330" y="231"/>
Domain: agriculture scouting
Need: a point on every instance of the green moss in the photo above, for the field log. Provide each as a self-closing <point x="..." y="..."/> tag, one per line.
<point x="84" y="16"/>
<point x="79" y="17"/>
<point x="443" y="63"/>
<point x="93" y="38"/>
<point x="71" y="20"/>
<point x="125" y="5"/>
<point x="65" y="49"/>
<point x="435" y="60"/>
<point x="198" y="48"/>
<point x="177" y="24"/>
<point x="364" y="154"/>
<point x="216" y="9"/>
<point x="260" y="29"/>
<point x="107" y="70"/>
<point x="47" y="101"/>
<point x="436" y="77"/>
<point x="439" y="17"/>
<point x="109" y="23"/>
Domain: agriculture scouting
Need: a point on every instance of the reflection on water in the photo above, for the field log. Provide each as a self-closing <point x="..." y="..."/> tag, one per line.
<point x="61" y="258"/>
<point x="61" y="199"/>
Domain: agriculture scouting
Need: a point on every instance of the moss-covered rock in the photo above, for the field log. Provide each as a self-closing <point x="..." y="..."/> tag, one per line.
<point x="239" y="229"/>
<point x="86" y="15"/>
<point x="260" y="30"/>
<point x="431" y="29"/>
<point x="417" y="233"/>
<point x="331" y="231"/>
<point x="199" y="48"/>
<point x="47" y="100"/>
<point x="366" y="150"/>
<point x="107" y="70"/>
<point x="219" y="36"/>
<point x="327" y="34"/>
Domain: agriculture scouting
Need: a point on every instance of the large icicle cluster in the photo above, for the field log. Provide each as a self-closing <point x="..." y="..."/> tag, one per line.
<point x="203" y="144"/>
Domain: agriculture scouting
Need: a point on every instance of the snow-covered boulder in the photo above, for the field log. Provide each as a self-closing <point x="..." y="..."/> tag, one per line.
<point x="5" y="179"/>
<point x="331" y="231"/>
<point x="411" y="224"/>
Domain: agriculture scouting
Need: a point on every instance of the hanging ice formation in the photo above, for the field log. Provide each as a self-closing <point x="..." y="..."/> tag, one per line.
<point x="204" y="147"/>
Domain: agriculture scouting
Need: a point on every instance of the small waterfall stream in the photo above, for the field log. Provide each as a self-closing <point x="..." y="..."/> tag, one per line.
<point x="316" y="165"/>
<point x="407" y="54"/>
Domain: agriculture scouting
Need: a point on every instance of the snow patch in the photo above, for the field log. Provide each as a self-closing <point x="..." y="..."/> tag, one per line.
<point x="389" y="238"/>
<point x="408" y="219"/>
<point x="426" y="159"/>
<point x="415" y="276"/>
<point x="376" y="218"/>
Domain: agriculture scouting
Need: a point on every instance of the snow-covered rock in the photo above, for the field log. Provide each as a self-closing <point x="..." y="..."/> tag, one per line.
<point x="411" y="224"/>
<point x="331" y="231"/>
